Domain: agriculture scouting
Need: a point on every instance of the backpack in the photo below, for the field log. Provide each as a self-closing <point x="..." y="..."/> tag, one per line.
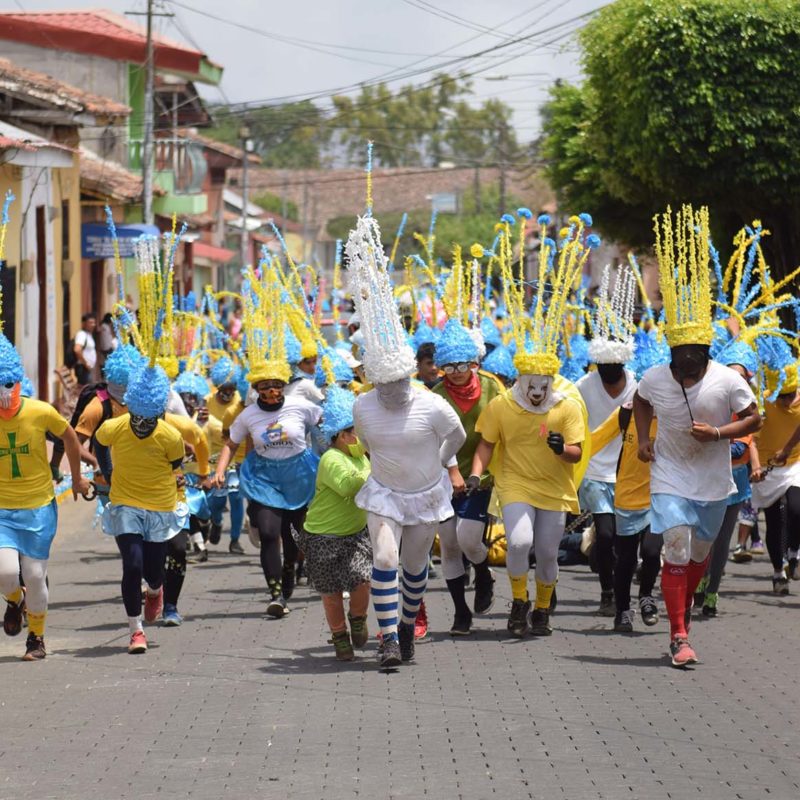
<point x="70" y="359"/>
<point x="88" y="393"/>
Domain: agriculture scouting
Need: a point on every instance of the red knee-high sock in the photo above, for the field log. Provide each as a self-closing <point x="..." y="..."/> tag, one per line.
<point x="694" y="574"/>
<point x="673" y="590"/>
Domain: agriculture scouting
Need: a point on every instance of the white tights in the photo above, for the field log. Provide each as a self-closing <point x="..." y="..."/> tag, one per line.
<point x="34" y="573"/>
<point x="528" y="527"/>
<point x="458" y="536"/>
<point x="386" y="536"/>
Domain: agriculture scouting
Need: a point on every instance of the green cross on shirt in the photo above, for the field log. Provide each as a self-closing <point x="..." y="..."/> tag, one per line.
<point x="14" y="451"/>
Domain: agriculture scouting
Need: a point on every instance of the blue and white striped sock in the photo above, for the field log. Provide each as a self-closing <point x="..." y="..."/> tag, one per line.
<point x="413" y="592"/>
<point x="384" y="600"/>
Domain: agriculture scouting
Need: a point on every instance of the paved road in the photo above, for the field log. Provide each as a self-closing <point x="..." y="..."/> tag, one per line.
<point x="235" y="705"/>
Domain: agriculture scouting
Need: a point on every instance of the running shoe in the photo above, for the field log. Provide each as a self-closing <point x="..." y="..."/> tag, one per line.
<point x="623" y="621"/>
<point x="517" y="624"/>
<point x="389" y="653"/>
<point x="681" y="652"/>
<point x="780" y="586"/>
<point x="432" y="571"/>
<point x="138" y="643"/>
<point x="34" y="648"/>
<point x="153" y="605"/>
<point x="405" y="636"/>
<point x="171" y="618"/>
<point x="287" y="581"/>
<point x="792" y="570"/>
<point x="236" y="548"/>
<point x="710" y="604"/>
<point x="740" y="555"/>
<point x="421" y="624"/>
<point x="539" y="622"/>
<point x="757" y="548"/>
<point x="12" y="620"/>
<point x="649" y="610"/>
<point x="214" y="533"/>
<point x="300" y="574"/>
<point x="607" y="606"/>
<point x="700" y="591"/>
<point x="342" y="646"/>
<point x="359" y="634"/>
<point x="277" y="608"/>
<point x="484" y="591"/>
<point x="462" y="624"/>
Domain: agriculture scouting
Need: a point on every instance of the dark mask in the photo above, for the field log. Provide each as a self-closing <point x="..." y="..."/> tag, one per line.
<point x="689" y="361"/>
<point x="190" y="402"/>
<point x="611" y="373"/>
<point x="142" y="427"/>
<point x="270" y="406"/>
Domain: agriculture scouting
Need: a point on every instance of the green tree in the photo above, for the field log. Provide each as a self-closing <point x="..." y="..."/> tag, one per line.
<point x="684" y="100"/>
<point x="277" y="205"/>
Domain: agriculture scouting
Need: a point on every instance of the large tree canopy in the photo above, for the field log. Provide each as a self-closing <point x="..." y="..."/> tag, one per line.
<point x="684" y="100"/>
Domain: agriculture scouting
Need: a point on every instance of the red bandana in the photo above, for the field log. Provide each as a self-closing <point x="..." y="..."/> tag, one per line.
<point x="464" y="396"/>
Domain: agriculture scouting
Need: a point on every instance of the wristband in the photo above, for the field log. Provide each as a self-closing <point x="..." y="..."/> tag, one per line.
<point x="719" y="435"/>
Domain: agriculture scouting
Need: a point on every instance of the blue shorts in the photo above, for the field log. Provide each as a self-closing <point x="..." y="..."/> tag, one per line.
<point x="198" y="502"/>
<point x="29" y="531"/>
<point x="474" y="506"/>
<point x="670" y="511"/>
<point x="629" y="523"/>
<point x="152" y="526"/>
<point x="596" y="497"/>
<point x="741" y="477"/>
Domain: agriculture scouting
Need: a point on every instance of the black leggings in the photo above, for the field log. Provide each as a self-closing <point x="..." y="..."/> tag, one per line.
<point x="175" y="568"/>
<point x="274" y="527"/>
<point x="140" y="559"/>
<point x="783" y="526"/>
<point x="627" y="550"/>
<point x="721" y="548"/>
<point x="605" y="528"/>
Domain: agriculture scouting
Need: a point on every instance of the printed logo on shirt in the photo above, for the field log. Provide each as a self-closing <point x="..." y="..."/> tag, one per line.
<point x="13" y="451"/>
<point x="275" y="436"/>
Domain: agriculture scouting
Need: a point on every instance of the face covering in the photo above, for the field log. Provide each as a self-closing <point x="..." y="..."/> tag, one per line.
<point x="10" y="400"/>
<point x="142" y="427"/>
<point x="356" y="450"/>
<point x="117" y="391"/>
<point x="611" y="373"/>
<point x="535" y="393"/>
<point x="689" y="361"/>
<point x="394" y="395"/>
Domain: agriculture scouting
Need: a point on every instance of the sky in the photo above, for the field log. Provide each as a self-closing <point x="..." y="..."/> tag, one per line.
<point x="273" y="50"/>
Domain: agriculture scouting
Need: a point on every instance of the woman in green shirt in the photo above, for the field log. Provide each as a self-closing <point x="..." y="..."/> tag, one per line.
<point x="335" y="539"/>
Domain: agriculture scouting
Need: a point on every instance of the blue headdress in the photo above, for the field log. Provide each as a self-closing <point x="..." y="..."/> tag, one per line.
<point x="424" y="333"/>
<point x="737" y="352"/>
<point x="293" y="347"/>
<point x="10" y="363"/>
<point x="455" y="345"/>
<point x="491" y="335"/>
<point x="337" y="412"/>
<point x="120" y="364"/>
<point x="191" y="383"/>
<point x="224" y="371"/>
<point x="148" y="392"/>
<point x="500" y="362"/>
<point x="650" y="349"/>
<point x="243" y="385"/>
<point x="26" y="388"/>
<point x="341" y="372"/>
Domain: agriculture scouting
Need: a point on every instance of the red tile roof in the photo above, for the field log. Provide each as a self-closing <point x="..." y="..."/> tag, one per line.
<point x="96" y="32"/>
<point x="12" y="137"/>
<point x="229" y="150"/>
<point x="220" y="255"/>
<point x="26" y="83"/>
<point x="111" y="180"/>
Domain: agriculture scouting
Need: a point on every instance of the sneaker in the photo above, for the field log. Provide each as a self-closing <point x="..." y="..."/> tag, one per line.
<point x="517" y="624"/>
<point x="236" y="548"/>
<point x="780" y="586"/>
<point x="484" y="591"/>
<point x="710" y="604"/>
<point x="153" y="605"/>
<point x="757" y="548"/>
<point x="700" y="591"/>
<point x="405" y="637"/>
<point x="539" y="622"/>
<point x="200" y="555"/>
<point x="389" y="653"/>
<point x="300" y="574"/>
<point x="792" y="570"/>
<point x="681" y="652"/>
<point x="171" y="618"/>
<point x="287" y="581"/>
<point x="432" y="571"/>
<point x="277" y="608"/>
<point x="12" y="621"/>
<point x="342" y="646"/>
<point x="607" y="606"/>
<point x="649" y="610"/>
<point x="214" y="533"/>
<point x="138" y="643"/>
<point x="34" y="648"/>
<point x="623" y="621"/>
<point x="359" y="634"/>
<point x="462" y="624"/>
<point x="421" y="624"/>
<point x="740" y="555"/>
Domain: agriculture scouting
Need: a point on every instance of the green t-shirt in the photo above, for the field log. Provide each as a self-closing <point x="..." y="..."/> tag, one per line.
<point x="489" y="390"/>
<point x="333" y="510"/>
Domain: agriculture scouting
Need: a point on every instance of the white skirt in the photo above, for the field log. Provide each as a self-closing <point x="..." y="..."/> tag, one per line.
<point x="775" y="485"/>
<point x="424" y="507"/>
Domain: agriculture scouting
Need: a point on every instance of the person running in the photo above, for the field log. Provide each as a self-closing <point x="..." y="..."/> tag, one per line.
<point x="468" y="393"/>
<point x="334" y="536"/>
<point x="28" y="510"/>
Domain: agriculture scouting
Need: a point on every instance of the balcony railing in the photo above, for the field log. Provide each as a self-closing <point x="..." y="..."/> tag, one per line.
<point x="183" y="157"/>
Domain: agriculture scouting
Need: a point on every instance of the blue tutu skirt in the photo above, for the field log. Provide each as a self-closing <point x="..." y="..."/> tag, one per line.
<point x="29" y="531"/>
<point x="152" y="526"/>
<point x="198" y="502"/>
<point x="286" y="483"/>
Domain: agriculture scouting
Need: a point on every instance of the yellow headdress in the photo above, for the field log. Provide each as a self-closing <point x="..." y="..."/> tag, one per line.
<point x="682" y="249"/>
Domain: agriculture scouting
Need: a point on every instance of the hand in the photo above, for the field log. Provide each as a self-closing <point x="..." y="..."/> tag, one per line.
<point x="180" y="481"/>
<point x="757" y="475"/>
<point x="555" y="441"/>
<point x="81" y="486"/>
<point x="701" y="432"/>
<point x="457" y="481"/>
<point x="472" y="484"/>
<point x="647" y="452"/>
<point x="202" y="415"/>
<point x="207" y="482"/>
<point x="218" y="481"/>
<point x="779" y="459"/>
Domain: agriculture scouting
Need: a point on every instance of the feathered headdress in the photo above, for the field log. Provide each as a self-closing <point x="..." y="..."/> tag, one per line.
<point x="122" y="363"/>
<point x="612" y="335"/>
<point x="500" y="362"/>
<point x="337" y="412"/>
<point x="191" y="383"/>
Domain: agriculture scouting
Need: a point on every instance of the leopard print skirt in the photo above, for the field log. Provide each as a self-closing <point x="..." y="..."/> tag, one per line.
<point x="336" y="563"/>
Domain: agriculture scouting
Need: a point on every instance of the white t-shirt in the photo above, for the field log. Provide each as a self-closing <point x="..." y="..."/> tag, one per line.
<point x="277" y="434"/>
<point x="600" y="405"/>
<point x="404" y="443"/>
<point x="85" y="340"/>
<point x="683" y="466"/>
<point x="306" y="389"/>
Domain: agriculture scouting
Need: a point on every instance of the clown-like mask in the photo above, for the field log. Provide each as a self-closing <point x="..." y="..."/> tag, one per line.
<point x="142" y="427"/>
<point x="7" y="393"/>
<point x="536" y="388"/>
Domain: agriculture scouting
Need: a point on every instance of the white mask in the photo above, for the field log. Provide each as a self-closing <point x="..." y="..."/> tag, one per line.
<point x="6" y="396"/>
<point x="535" y="393"/>
<point x="395" y="394"/>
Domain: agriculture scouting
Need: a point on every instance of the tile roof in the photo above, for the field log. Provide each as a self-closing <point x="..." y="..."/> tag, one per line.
<point x="13" y="137"/>
<point x="111" y="180"/>
<point x="221" y="147"/>
<point x="37" y="86"/>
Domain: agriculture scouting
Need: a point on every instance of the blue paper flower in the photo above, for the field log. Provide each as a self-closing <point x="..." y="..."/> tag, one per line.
<point x="148" y="392"/>
<point x="543" y="219"/>
<point x="593" y="241"/>
<point x="508" y="218"/>
<point x="524" y="212"/>
<point x="586" y="219"/>
<point x="120" y="364"/>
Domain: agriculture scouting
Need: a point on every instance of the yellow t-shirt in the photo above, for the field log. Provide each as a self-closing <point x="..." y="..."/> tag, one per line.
<point x="216" y="415"/>
<point x="528" y="471"/>
<point x="143" y="475"/>
<point x="193" y="435"/>
<point x="25" y="479"/>
<point x="779" y="424"/>
<point x="230" y="415"/>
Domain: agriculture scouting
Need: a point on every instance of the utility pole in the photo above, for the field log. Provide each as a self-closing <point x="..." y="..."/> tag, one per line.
<point x="147" y="148"/>
<point x="244" y="135"/>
